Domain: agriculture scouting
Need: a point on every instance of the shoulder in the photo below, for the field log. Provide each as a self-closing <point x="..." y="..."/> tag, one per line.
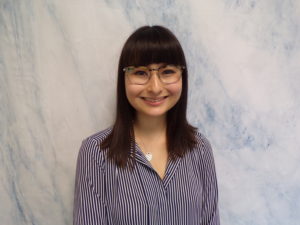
<point x="203" y="146"/>
<point x="90" y="149"/>
<point x="202" y="154"/>
<point x="202" y="141"/>
<point x="99" y="136"/>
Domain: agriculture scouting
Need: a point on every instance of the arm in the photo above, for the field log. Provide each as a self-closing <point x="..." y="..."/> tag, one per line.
<point x="89" y="207"/>
<point x="210" y="212"/>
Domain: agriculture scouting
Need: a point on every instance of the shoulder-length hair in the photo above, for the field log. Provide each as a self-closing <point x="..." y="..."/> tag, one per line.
<point x="147" y="45"/>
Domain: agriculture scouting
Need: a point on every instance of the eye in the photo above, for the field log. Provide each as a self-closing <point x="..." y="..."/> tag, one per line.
<point x="168" y="71"/>
<point x="140" y="73"/>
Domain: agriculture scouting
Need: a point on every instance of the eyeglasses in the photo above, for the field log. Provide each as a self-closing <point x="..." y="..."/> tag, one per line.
<point x="168" y="74"/>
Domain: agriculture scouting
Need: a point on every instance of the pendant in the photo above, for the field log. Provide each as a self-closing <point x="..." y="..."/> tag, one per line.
<point x="148" y="156"/>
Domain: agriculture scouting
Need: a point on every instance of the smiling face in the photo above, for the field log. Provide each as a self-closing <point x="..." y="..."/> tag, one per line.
<point x="154" y="98"/>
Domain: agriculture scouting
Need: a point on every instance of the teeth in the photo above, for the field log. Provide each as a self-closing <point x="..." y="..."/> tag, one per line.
<point x="154" y="100"/>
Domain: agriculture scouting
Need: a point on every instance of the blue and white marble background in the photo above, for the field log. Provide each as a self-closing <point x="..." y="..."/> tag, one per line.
<point x="58" y="63"/>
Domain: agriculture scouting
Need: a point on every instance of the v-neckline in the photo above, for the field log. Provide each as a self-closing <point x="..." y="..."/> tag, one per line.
<point x="170" y="170"/>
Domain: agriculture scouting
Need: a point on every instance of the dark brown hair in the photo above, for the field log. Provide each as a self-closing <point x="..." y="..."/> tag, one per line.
<point x="147" y="45"/>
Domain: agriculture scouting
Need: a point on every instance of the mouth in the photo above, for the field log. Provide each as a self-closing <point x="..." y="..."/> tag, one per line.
<point x="159" y="99"/>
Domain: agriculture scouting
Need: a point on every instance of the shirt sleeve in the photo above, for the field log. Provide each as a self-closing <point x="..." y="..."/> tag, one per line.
<point x="210" y="212"/>
<point x="89" y="205"/>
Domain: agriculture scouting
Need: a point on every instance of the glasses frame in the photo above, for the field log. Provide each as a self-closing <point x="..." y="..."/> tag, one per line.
<point x="125" y="69"/>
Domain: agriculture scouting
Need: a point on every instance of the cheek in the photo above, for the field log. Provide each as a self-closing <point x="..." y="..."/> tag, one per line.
<point x="131" y="91"/>
<point x="175" y="89"/>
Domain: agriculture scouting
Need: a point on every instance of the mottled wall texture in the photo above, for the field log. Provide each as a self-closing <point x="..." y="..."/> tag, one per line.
<point x="58" y="63"/>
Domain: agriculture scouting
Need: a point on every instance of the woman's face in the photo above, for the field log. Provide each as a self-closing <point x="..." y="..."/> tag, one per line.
<point x="154" y="98"/>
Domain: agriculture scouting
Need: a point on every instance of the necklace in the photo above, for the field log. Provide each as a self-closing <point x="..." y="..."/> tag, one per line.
<point x="148" y="156"/>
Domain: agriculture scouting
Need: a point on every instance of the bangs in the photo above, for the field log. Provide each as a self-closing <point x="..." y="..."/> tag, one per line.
<point x="152" y="46"/>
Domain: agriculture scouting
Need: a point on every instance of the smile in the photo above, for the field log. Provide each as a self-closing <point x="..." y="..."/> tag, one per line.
<point x="154" y="101"/>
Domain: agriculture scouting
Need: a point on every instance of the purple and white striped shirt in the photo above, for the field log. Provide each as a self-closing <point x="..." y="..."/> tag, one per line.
<point x="108" y="195"/>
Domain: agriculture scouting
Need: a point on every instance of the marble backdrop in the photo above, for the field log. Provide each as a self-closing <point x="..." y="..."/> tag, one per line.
<point x="58" y="63"/>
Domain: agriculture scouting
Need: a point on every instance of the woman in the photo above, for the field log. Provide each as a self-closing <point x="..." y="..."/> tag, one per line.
<point x="152" y="166"/>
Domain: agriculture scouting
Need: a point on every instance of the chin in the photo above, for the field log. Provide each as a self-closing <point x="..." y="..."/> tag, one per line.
<point x="153" y="114"/>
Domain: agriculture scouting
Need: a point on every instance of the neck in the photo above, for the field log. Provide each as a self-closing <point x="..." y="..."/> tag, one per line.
<point x="150" y="127"/>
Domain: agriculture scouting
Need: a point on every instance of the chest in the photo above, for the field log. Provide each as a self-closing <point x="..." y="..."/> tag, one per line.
<point x="142" y="197"/>
<point x="159" y="163"/>
<point x="157" y="155"/>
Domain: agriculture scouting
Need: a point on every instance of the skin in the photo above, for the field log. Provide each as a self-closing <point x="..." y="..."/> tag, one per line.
<point x="138" y="95"/>
<point x="150" y="121"/>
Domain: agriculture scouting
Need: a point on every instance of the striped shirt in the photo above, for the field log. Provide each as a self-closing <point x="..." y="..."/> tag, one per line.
<point x="108" y="195"/>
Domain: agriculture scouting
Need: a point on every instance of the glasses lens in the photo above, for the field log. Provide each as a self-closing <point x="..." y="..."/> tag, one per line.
<point x="169" y="74"/>
<point x="138" y="75"/>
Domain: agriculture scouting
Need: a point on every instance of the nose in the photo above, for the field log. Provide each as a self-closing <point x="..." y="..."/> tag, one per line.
<point x="154" y="84"/>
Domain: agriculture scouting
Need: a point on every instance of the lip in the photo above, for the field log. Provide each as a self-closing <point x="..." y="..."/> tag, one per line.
<point x="154" y="101"/>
